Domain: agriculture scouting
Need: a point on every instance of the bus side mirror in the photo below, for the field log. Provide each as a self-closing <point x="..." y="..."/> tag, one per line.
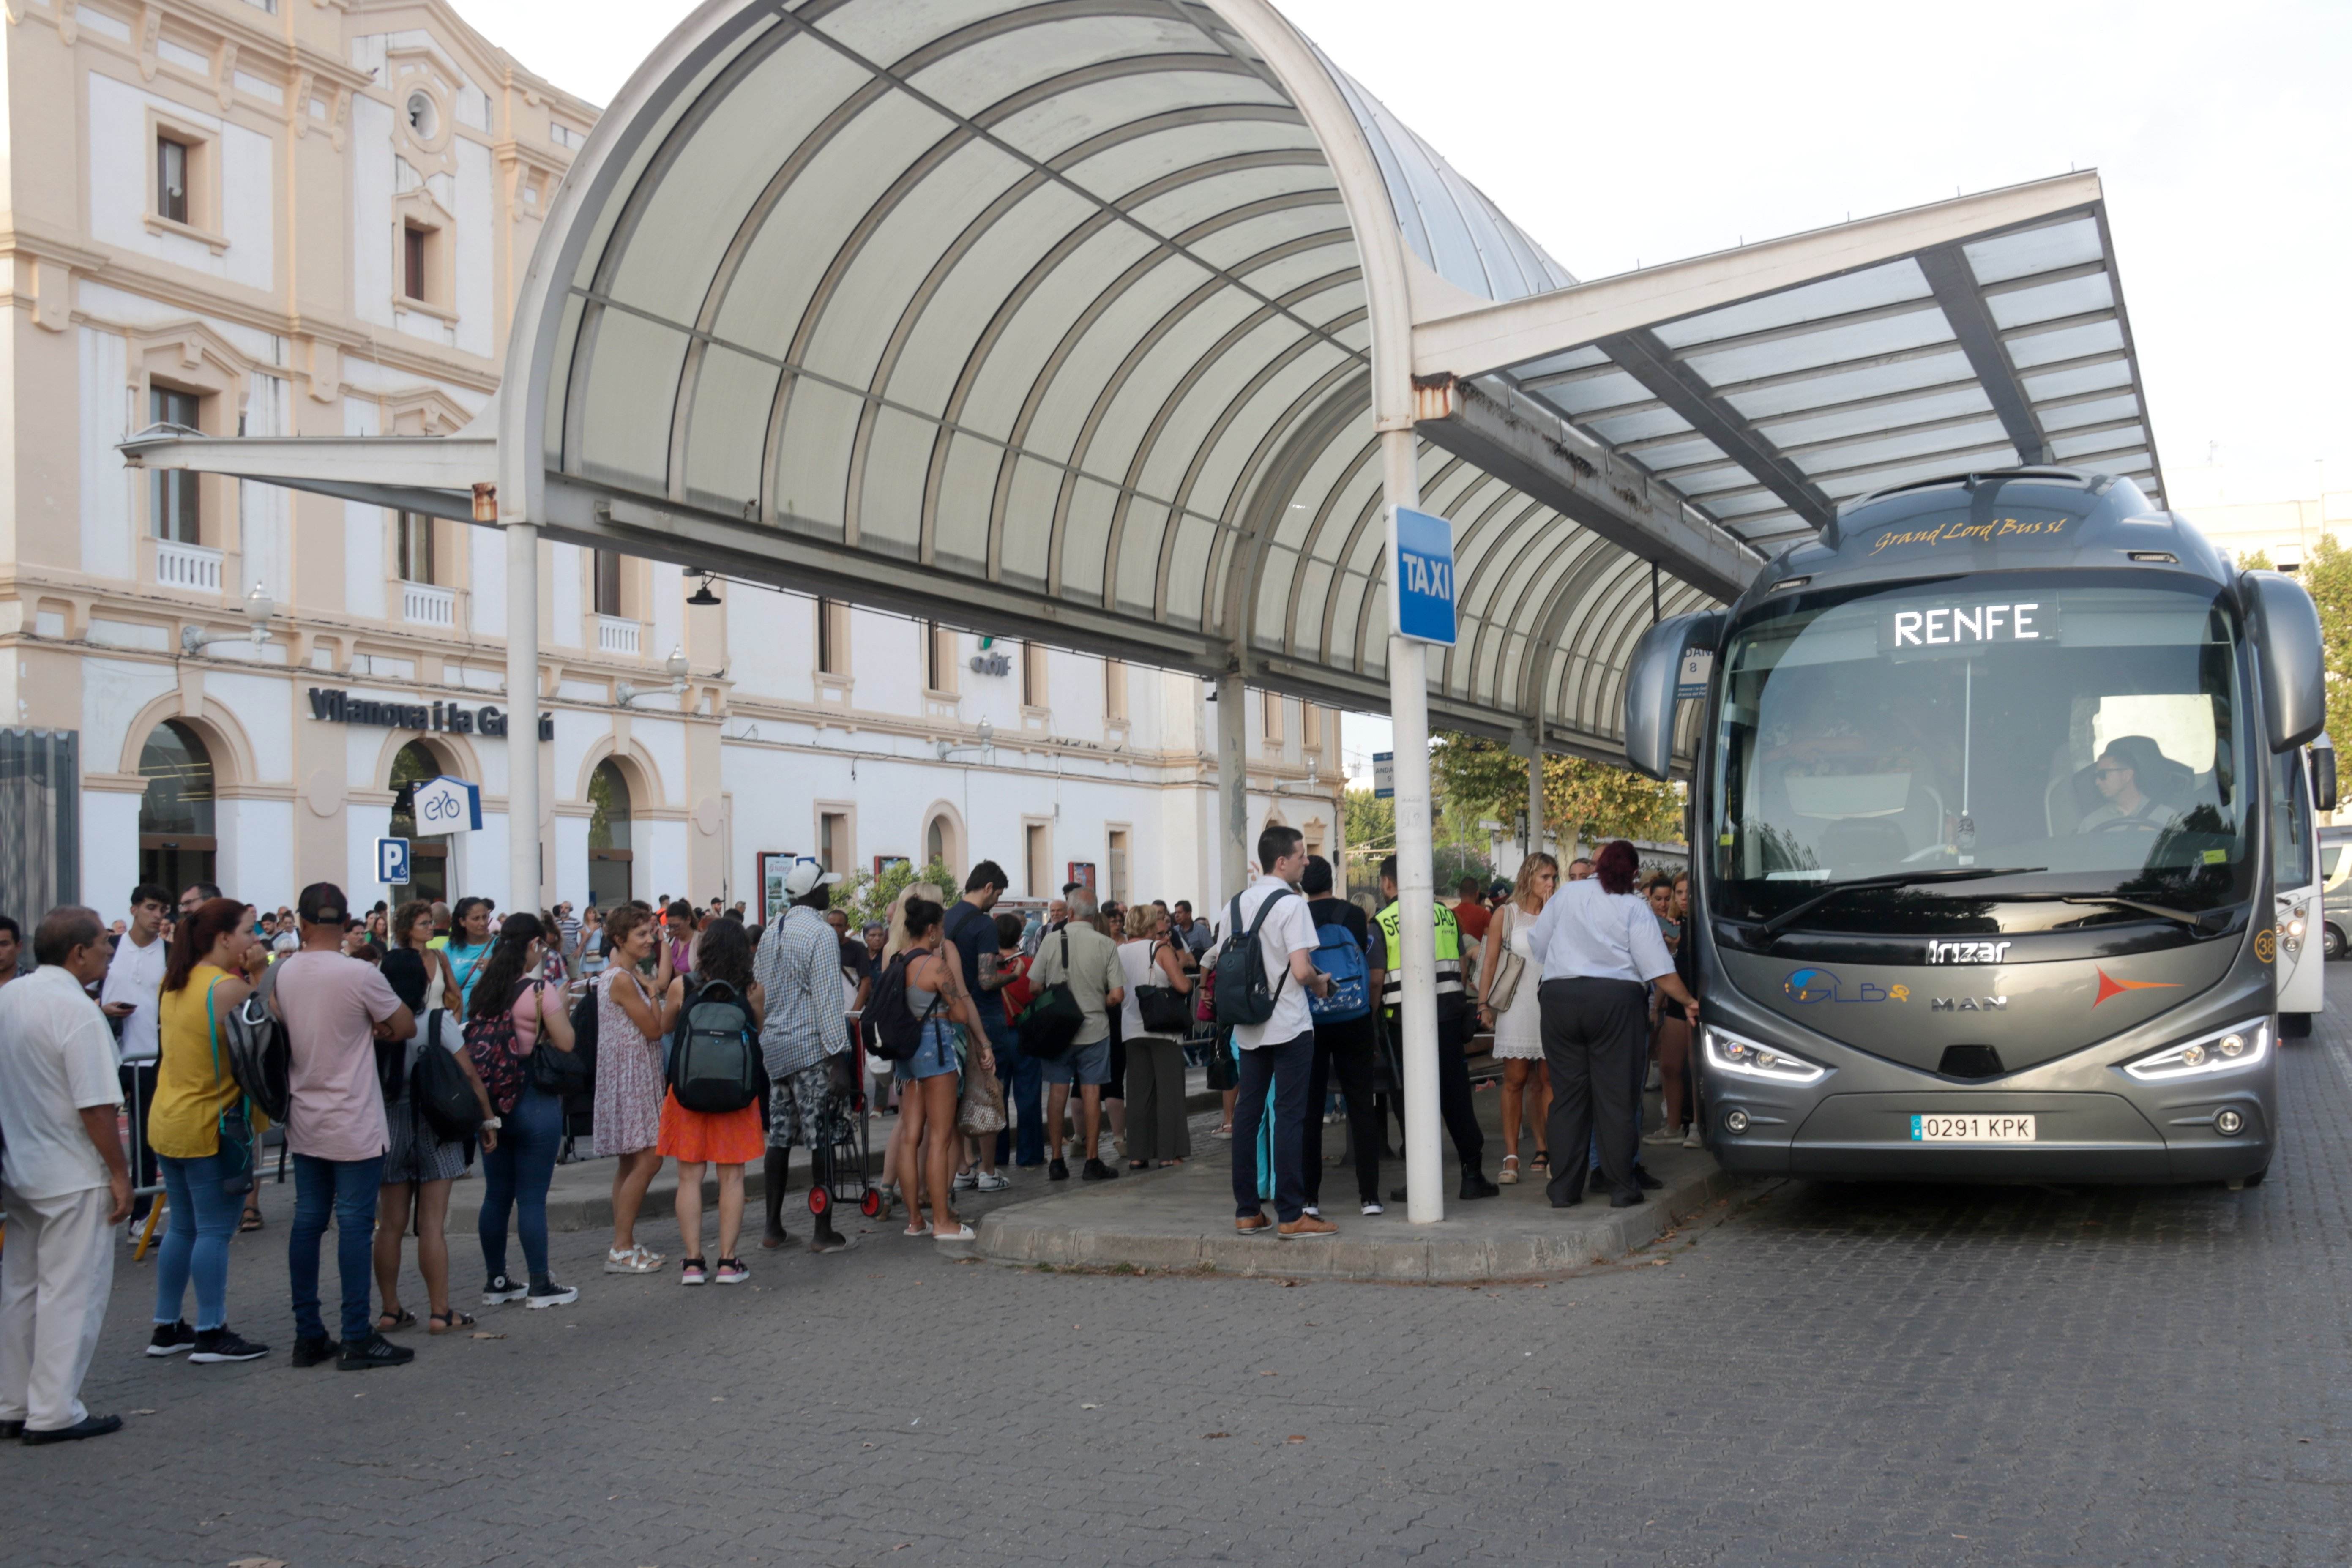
<point x="1650" y="682"/>
<point x="2323" y="774"/>
<point x="2288" y="653"/>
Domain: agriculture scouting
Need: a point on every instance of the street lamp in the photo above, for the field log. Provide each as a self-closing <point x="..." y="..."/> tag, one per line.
<point x="984" y="735"/>
<point x="677" y="666"/>
<point x="258" y="607"/>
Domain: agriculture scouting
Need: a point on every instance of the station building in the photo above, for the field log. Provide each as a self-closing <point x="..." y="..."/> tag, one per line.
<point x="288" y="219"/>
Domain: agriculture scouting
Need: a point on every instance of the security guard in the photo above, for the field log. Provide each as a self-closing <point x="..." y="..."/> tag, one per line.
<point x="1456" y="1022"/>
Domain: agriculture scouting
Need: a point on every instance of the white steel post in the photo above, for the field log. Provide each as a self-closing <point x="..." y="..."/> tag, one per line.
<point x="522" y="717"/>
<point x="1424" y="1169"/>
<point x="1535" y="801"/>
<point x="1233" y="789"/>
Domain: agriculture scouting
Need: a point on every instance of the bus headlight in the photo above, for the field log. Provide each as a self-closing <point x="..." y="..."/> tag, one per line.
<point x="1749" y="1059"/>
<point x="2225" y="1050"/>
<point x="2290" y="931"/>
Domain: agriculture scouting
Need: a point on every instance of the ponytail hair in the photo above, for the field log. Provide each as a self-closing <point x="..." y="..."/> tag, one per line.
<point x="506" y="968"/>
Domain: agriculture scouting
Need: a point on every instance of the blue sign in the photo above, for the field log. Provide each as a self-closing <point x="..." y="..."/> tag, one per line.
<point x="445" y="804"/>
<point x="1422" y="577"/>
<point x="392" y="862"/>
<point x="1384" y="775"/>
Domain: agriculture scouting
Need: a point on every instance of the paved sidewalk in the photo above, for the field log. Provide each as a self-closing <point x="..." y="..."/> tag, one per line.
<point x="1183" y="1219"/>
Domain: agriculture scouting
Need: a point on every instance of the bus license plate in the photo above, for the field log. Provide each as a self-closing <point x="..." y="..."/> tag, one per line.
<point x="1972" y="1129"/>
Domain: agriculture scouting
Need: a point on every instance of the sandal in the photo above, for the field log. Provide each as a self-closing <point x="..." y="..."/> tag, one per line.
<point x="393" y="1322"/>
<point x="448" y="1322"/>
<point x="960" y="1233"/>
<point x="251" y="1221"/>
<point x="1508" y="1175"/>
<point x="1543" y="1163"/>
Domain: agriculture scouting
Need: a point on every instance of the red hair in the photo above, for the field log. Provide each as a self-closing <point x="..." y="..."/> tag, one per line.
<point x="1616" y="865"/>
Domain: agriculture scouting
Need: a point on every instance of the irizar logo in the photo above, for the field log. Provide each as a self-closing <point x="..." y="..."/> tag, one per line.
<point x="1968" y="1003"/>
<point x="1965" y="952"/>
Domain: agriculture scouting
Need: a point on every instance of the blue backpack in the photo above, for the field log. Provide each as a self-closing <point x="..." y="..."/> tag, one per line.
<point x="1339" y="954"/>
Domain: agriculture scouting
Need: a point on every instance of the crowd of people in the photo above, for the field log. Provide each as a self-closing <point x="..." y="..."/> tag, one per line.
<point x="426" y="1040"/>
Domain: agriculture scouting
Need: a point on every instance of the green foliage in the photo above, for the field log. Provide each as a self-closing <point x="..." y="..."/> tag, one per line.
<point x="2326" y="575"/>
<point x="1371" y="822"/>
<point x="1582" y="799"/>
<point x="867" y="898"/>
<point x="2260" y="560"/>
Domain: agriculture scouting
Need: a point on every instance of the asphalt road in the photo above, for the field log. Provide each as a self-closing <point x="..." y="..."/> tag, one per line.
<point x="1828" y="1375"/>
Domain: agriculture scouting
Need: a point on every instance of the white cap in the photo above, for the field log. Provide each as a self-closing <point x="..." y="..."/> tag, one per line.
<point x="806" y="874"/>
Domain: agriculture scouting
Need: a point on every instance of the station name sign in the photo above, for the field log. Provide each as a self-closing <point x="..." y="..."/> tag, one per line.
<point x="1965" y="626"/>
<point x="445" y="717"/>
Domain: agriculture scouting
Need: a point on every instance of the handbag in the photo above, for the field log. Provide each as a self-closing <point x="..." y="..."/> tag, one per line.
<point x="1508" y="966"/>
<point x="1165" y="1010"/>
<point x="1225" y="1072"/>
<point x="552" y="1071"/>
<point x="234" y="1127"/>
<point x="981" y="1112"/>
<point x="1053" y="1018"/>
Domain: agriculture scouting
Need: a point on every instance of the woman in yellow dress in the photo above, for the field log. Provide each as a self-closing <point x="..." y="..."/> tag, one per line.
<point x="201" y="1134"/>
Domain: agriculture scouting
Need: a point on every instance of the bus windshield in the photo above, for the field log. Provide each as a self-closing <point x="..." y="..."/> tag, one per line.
<point x="2077" y="734"/>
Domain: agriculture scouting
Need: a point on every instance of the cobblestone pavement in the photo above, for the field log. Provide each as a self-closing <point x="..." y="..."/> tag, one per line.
<point x="1830" y="1374"/>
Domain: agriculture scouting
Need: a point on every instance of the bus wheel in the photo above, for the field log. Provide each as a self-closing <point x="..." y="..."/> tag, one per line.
<point x="2331" y="942"/>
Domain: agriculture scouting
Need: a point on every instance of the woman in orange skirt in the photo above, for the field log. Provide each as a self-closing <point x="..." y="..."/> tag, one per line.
<point x="728" y="1139"/>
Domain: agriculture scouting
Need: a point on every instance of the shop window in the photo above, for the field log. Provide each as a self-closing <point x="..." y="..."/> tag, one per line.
<point x="428" y="855"/>
<point x="416" y="548"/>
<point x="610" y="856"/>
<point x="176" y="841"/>
<point x="175" y="504"/>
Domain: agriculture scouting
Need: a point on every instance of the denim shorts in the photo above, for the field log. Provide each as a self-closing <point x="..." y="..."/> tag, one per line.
<point x="1081" y="1065"/>
<point x="937" y="1055"/>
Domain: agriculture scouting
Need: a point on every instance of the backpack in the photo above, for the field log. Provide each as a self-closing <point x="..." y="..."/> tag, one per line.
<point x="490" y="1042"/>
<point x="1339" y="954"/>
<point x="892" y="1030"/>
<point x="583" y="1038"/>
<point x="259" y="1059"/>
<point x="714" y="1060"/>
<point x="444" y="1096"/>
<point x="1242" y="994"/>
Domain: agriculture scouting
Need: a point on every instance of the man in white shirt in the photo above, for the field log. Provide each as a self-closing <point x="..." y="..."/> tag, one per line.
<point x="134" y="993"/>
<point x="65" y="1182"/>
<point x="1280" y="1051"/>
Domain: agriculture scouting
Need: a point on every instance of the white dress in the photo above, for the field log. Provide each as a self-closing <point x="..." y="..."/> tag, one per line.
<point x="1519" y="1029"/>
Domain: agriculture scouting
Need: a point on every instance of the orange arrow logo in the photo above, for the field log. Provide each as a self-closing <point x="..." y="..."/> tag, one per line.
<point x="2109" y="986"/>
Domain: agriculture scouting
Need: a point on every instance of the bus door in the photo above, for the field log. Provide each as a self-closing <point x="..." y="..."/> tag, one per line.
<point x="2294" y="879"/>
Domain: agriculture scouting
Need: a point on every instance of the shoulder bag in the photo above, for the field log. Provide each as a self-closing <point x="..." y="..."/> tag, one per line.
<point x="1053" y="1017"/>
<point x="1164" y="1009"/>
<point x="1510" y="966"/>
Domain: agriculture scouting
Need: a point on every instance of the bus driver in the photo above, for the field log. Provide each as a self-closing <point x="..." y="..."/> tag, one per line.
<point x="2127" y="760"/>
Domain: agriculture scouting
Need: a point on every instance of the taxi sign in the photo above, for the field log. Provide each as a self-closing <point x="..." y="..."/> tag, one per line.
<point x="1421" y="573"/>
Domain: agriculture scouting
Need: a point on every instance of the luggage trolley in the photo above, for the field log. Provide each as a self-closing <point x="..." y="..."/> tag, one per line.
<point x="846" y="1177"/>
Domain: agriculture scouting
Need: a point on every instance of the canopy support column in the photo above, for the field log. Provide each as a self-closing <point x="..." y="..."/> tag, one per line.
<point x="522" y="717"/>
<point x="1424" y="1167"/>
<point x="1535" y="801"/>
<point x="1232" y="784"/>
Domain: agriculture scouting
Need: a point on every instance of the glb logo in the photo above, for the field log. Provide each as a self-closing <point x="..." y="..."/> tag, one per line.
<point x="1820" y="985"/>
<point x="1965" y="952"/>
<point x="1968" y="1003"/>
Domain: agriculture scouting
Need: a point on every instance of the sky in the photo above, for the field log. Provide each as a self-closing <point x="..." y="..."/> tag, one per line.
<point x="1624" y="135"/>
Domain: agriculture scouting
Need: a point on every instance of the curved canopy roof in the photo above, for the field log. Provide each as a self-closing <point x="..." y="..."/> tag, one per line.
<point x="1063" y="319"/>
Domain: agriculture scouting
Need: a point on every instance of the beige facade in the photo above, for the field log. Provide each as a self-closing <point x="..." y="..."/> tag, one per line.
<point x="308" y="218"/>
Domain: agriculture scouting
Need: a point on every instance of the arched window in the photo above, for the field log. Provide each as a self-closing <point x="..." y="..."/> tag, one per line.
<point x="176" y="846"/>
<point x="609" y="854"/>
<point x="428" y="861"/>
<point x="943" y="846"/>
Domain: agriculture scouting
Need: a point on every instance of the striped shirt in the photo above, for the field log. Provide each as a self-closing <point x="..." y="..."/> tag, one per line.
<point x="798" y="966"/>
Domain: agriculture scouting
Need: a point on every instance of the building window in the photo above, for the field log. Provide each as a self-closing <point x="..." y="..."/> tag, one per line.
<point x="416" y="548"/>
<point x="1038" y="858"/>
<point x="938" y="657"/>
<point x="609" y="852"/>
<point x="1310" y="724"/>
<point x="832" y="637"/>
<point x="175" y="495"/>
<point x="416" y="263"/>
<point x="422" y="121"/>
<point x="1033" y="676"/>
<point x="428" y="855"/>
<point x="176" y="846"/>
<point x="1118" y="865"/>
<point x="1114" y="689"/>
<point x="833" y="840"/>
<point x="608" y="583"/>
<point x="172" y="162"/>
<point x="1270" y="716"/>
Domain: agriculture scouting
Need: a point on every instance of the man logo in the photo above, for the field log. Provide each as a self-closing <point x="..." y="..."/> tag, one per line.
<point x="1968" y="1005"/>
<point x="1820" y="985"/>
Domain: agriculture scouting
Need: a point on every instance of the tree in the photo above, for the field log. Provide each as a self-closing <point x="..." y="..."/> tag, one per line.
<point x="866" y="897"/>
<point x="2328" y="577"/>
<point x="1582" y="799"/>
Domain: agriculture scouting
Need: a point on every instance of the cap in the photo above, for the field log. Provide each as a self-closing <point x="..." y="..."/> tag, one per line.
<point x="321" y="903"/>
<point x="806" y="874"/>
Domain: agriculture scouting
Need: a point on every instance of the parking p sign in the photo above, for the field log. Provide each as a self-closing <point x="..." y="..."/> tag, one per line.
<point x="392" y="862"/>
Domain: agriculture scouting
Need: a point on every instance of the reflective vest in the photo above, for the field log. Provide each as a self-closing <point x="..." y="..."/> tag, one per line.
<point x="1449" y="994"/>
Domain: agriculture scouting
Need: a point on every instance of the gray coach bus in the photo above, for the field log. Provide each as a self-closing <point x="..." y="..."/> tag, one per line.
<point x="1982" y="813"/>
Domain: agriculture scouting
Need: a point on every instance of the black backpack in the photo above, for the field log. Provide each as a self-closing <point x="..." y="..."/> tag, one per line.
<point x="1242" y="994"/>
<point x="893" y="1032"/>
<point x="714" y="1060"/>
<point x="259" y="1059"/>
<point x="583" y="1037"/>
<point x="442" y="1093"/>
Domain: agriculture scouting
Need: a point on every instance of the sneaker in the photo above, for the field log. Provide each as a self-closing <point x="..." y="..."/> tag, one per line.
<point x="991" y="1181"/>
<point x="1095" y="1171"/>
<point x="1374" y="1207"/>
<point x="636" y="1260"/>
<point x="548" y="1293"/>
<point x="1307" y="1227"/>
<point x="171" y="1338"/>
<point x="501" y="1290"/>
<point x="311" y="1353"/>
<point x="1059" y="1171"/>
<point x="689" y="1271"/>
<point x="370" y="1352"/>
<point x="224" y="1344"/>
<point x="731" y="1271"/>
<point x="1691" y="1138"/>
<point x="966" y="1180"/>
<point x="1664" y="1135"/>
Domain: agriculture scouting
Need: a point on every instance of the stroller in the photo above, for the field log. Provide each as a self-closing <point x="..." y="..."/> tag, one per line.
<point x="841" y="1174"/>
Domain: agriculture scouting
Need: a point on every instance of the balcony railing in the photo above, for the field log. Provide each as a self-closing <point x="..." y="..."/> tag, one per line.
<point x="423" y="605"/>
<point x="192" y="568"/>
<point x="615" y="635"/>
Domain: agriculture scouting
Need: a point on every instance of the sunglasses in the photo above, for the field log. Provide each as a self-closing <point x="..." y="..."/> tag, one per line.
<point x="2108" y="772"/>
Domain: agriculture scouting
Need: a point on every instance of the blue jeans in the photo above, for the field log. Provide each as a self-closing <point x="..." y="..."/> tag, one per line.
<point x="347" y="1187"/>
<point x="1024" y="1079"/>
<point x="1288" y="1067"/>
<point x="515" y="1175"/>
<point x="199" y="1219"/>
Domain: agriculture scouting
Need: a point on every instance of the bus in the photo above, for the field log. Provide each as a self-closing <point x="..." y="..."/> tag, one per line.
<point x="2301" y="791"/>
<point x="1986" y="783"/>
